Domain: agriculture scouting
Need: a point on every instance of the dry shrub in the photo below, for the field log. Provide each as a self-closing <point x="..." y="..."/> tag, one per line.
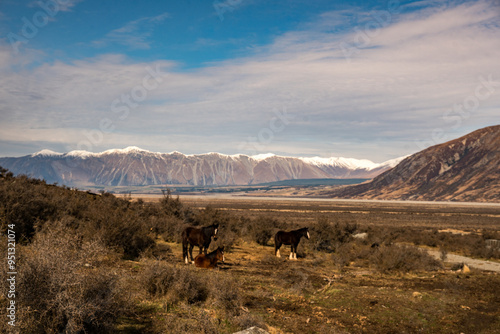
<point x="192" y="286"/>
<point x="328" y="237"/>
<point x="59" y="288"/>
<point x="188" y="320"/>
<point x="274" y="261"/>
<point x="263" y="228"/>
<point x="403" y="258"/>
<point x="225" y="294"/>
<point x="343" y="255"/>
<point x="177" y="283"/>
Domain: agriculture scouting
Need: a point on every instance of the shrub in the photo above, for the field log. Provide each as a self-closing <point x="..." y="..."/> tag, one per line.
<point x="59" y="289"/>
<point x="177" y="283"/>
<point x="188" y="320"/>
<point x="328" y="237"/>
<point x="403" y="258"/>
<point x="262" y="229"/>
<point x="225" y="294"/>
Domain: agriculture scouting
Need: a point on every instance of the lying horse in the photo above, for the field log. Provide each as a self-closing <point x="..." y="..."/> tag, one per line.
<point x="289" y="238"/>
<point x="200" y="237"/>
<point x="209" y="261"/>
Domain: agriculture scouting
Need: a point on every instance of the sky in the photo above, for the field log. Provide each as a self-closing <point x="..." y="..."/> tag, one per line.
<point x="370" y="80"/>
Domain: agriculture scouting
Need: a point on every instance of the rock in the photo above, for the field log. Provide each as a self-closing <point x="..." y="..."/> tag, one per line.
<point x="252" y="330"/>
<point x="361" y="236"/>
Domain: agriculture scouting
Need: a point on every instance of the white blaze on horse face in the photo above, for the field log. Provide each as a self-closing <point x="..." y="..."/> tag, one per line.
<point x="308" y="235"/>
<point x="215" y="232"/>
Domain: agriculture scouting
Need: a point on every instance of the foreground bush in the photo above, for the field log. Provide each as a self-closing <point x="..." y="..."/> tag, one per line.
<point x="65" y="287"/>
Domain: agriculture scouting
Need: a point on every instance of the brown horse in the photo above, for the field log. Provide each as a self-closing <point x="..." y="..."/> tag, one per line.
<point x="291" y="238"/>
<point x="209" y="261"/>
<point x="200" y="237"/>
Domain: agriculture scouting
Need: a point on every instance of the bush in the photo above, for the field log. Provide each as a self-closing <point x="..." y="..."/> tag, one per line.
<point x="225" y="294"/>
<point x="188" y="320"/>
<point x="262" y="229"/>
<point x="177" y="283"/>
<point x="403" y="258"/>
<point x="59" y="291"/>
<point x="328" y="237"/>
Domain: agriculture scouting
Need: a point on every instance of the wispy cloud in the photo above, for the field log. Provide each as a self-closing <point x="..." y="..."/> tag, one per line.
<point x="134" y="34"/>
<point x="57" y="5"/>
<point x="391" y="93"/>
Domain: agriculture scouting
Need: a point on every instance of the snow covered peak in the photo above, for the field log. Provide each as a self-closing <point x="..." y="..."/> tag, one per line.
<point x="264" y="156"/>
<point x="351" y="163"/>
<point x="127" y="150"/>
<point x="80" y="154"/>
<point x="46" y="153"/>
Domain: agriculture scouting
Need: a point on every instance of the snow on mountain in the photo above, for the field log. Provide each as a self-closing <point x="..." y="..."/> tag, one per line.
<point x="135" y="166"/>
<point x="264" y="156"/>
<point x="46" y="153"/>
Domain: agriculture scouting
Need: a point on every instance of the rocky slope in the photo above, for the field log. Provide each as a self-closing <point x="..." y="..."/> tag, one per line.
<point x="133" y="166"/>
<point x="464" y="169"/>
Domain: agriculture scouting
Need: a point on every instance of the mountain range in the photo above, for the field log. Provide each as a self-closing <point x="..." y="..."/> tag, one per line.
<point x="464" y="169"/>
<point x="133" y="166"/>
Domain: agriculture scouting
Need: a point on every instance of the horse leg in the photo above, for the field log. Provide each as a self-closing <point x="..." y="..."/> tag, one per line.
<point x="184" y="252"/>
<point x="295" y="252"/>
<point x="277" y="250"/>
<point x="191" y="252"/>
<point x="291" y="252"/>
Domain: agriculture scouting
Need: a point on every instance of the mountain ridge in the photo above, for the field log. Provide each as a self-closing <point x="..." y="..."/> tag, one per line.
<point x="135" y="166"/>
<point x="462" y="169"/>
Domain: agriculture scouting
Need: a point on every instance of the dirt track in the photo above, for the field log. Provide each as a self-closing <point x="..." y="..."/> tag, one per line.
<point x="474" y="263"/>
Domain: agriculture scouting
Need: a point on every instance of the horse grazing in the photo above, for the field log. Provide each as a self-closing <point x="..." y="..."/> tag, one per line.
<point x="289" y="238"/>
<point x="209" y="261"/>
<point x="200" y="237"/>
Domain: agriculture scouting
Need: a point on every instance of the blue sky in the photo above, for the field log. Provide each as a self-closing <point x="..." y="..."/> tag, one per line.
<point x="361" y="79"/>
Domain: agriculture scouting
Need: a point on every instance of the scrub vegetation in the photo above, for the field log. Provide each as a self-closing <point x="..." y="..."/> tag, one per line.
<point x="99" y="263"/>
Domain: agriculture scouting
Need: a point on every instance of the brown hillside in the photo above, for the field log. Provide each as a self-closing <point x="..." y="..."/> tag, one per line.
<point x="464" y="169"/>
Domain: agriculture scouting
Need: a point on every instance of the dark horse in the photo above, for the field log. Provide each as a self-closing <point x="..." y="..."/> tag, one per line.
<point x="209" y="261"/>
<point x="289" y="238"/>
<point x="200" y="237"/>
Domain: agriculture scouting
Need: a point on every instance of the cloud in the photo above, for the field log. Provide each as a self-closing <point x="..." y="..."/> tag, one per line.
<point x="134" y="34"/>
<point x="384" y="100"/>
<point x="61" y="5"/>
